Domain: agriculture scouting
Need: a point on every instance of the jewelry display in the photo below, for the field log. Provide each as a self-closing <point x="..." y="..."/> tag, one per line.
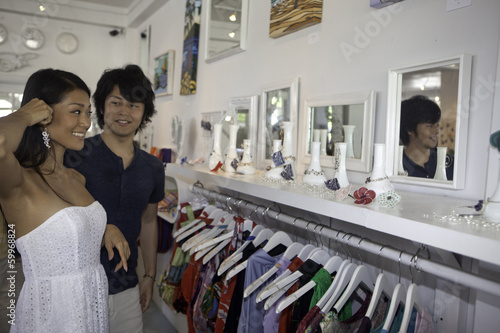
<point x="348" y="134"/>
<point x="378" y="180"/>
<point x="323" y="134"/>
<point x="288" y="150"/>
<point x="276" y="167"/>
<point x="246" y="166"/>
<point x="441" y="164"/>
<point x="314" y="175"/>
<point x="216" y="155"/>
<point x="231" y="159"/>
<point x="339" y="163"/>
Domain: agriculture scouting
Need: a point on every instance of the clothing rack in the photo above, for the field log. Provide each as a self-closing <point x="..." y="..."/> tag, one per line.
<point x="446" y="272"/>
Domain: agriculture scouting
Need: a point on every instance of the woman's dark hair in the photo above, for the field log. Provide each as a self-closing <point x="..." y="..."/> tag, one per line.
<point x="417" y="110"/>
<point x="134" y="87"/>
<point x="51" y="86"/>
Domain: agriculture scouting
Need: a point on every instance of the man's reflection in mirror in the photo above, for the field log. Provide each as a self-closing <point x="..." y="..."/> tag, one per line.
<point x="419" y="133"/>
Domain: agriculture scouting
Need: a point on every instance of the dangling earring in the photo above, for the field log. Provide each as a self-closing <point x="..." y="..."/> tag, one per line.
<point x="46" y="139"/>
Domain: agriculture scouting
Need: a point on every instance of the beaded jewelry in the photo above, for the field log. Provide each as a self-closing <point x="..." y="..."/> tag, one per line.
<point x="45" y="137"/>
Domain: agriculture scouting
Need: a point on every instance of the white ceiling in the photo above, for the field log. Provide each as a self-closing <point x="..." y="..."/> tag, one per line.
<point x="112" y="3"/>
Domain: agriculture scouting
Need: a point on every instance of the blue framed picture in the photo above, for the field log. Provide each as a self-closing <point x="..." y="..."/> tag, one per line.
<point x="164" y="73"/>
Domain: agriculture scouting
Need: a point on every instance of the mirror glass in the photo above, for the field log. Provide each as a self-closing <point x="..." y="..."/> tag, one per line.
<point x="427" y="122"/>
<point x="340" y="118"/>
<point x="245" y="110"/>
<point x="226" y="28"/>
<point x="279" y="104"/>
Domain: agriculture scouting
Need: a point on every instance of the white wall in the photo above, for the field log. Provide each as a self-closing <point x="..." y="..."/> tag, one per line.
<point x="379" y="39"/>
<point x="97" y="49"/>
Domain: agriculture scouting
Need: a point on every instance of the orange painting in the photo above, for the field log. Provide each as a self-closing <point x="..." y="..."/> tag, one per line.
<point x="288" y="16"/>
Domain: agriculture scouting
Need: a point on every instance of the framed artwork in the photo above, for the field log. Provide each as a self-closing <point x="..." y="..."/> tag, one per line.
<point x="164" y="73"/>
<point x="288" y="16"/>
<point x="190" y="48"/>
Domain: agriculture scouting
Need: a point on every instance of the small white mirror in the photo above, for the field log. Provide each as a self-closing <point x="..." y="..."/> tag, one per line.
<point x="279" y="104"/>
<point x="429" y="147"/>
<point x="226" y="28"/>
<point x="246" y="114"/>
<point x="339" y="118"/>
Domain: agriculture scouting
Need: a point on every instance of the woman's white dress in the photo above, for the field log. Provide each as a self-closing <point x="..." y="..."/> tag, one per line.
<point x="65" y="288"/>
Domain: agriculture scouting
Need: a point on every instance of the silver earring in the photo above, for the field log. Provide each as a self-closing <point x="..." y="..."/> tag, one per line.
<point x="46" y="139"/>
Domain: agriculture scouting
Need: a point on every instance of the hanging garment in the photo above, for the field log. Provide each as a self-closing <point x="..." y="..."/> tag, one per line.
<point x="271" y="318"/>
<point x="377" y="320"/>
<point x="252" y="313"/>
<point x="286" y="315"/>
<point x="332" y="324"/>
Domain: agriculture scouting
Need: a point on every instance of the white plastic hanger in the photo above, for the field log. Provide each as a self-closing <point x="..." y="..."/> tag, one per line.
<point x="238" y="254"/>
<point x="217" y="237"/>
<point x="307" y="251"/>
<point x="208" y="210"/>
<point x="332" y="265"/>
<point x="359" y="277"/>
<point x="412" y="300"/>
<point x="217" y="215"/>
<point x="398" y="297"/>
<point x="320" y="257"/>
<point x="276" y="296"/>
<point x="215" y="250"/>
<point x="193" y="241"/>
<point x="328" y="294"/>
<point x="226" y="223"/>
<point x="279" y="238"/>
<point x="214" y="243"/>
<point x="264" y="235"/>
<point x="341" y="284"/>
<point x="289" y="254"/>
<point x="382" y="287"/>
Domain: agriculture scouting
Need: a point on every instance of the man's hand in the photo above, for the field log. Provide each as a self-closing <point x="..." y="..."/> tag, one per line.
<point x="146" y="292"/>
<point x="113" y="238"/>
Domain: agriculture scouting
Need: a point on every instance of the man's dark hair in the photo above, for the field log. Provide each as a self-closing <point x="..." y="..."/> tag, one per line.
<point x="134" y="86"/>
<point x="417" y="110"/>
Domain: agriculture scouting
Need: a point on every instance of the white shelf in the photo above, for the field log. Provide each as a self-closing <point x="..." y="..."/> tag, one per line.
<point x="421" y="218"/>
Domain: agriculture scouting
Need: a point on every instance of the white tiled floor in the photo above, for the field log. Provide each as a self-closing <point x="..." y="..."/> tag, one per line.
<point x="155" y="322"/>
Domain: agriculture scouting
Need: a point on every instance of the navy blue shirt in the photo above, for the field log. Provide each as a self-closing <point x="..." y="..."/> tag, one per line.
<point x="415" y="170"/>
<point x="124" y="194"/>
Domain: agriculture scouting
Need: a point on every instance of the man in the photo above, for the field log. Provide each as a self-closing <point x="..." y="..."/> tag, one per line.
<point x="129" y="183"/>
<point x="419" y="133"/>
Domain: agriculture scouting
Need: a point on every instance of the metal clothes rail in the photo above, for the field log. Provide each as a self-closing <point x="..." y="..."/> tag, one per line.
<point x="413" y="260"/>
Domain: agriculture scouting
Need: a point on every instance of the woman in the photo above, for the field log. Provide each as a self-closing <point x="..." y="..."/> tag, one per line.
<point x="58" y="225"/>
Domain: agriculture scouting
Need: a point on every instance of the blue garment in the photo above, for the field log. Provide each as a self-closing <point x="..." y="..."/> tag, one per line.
<point x="252" y="313"/>
<point x="124" y="194"/>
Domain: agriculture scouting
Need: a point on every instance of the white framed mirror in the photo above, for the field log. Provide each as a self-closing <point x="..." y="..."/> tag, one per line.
<point x="422" y="144"/>
<point x="226" y="28"/>
<point x="334" y="118"/>
<point x="246" y="111"/>
<point x="280" y="102"/>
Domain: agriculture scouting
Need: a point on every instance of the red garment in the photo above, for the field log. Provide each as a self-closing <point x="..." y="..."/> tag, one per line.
<point x="286" y="315"/>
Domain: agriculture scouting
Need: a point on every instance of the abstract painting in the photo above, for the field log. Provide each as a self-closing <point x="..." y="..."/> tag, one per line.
<point x="190" y="49"/>
<point x="164" y="73"/>
<point x="288" y="16"/>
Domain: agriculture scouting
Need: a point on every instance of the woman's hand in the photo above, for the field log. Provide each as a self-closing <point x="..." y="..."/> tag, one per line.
<point x="113" y="238"/>
<point x="38" y="112"/>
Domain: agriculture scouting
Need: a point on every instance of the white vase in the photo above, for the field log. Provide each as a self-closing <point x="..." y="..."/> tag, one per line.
<point x="246" y="165"/>
<point x="314" y="175"/>
<point x="378" y="180"/>
<point x="216" y="155"/>
<point x="401" y="169"/>
<point x="441" y="164"/>
<point x="348" y="133"/>
<point x="323" y="135"/>
<point x="492" y="206"/>
<point x="288" y="145"/>
<point x="232" y="154"/>
<point x="275" y="171"/>
<point x="339" y="162"/>
<point x="316" y="135"/>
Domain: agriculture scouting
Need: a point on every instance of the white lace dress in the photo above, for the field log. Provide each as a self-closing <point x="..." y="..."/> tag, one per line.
<point x="66" y="289"/>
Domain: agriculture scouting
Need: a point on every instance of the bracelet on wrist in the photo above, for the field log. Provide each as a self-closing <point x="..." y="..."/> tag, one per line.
<point x="149" y="276"/>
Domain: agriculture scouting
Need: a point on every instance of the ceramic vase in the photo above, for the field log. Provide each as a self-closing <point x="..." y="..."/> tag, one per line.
<point x="401" y="169"/>
<point x="339" y="162"/>
<point x="232" y="154"/>
<point x="314" y="175"/>
<point x="246" y="165"/>
<point x="323" y="136"/>
<point x="441" y="164"/>
<point x="492" y="207"/>
<point x="288" y="145"/>
<point x="316" y="135"/>
<point x="216" y="155"/>
<point x="275" y="171"/>
<point x="348" y="133"/>
<point x="378" y="180"/>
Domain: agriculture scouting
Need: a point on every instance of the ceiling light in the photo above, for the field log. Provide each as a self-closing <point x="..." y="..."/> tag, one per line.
<point x="41" y="7"/>
<point x="232" y="17"/>
<point x="232" y="34"/>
